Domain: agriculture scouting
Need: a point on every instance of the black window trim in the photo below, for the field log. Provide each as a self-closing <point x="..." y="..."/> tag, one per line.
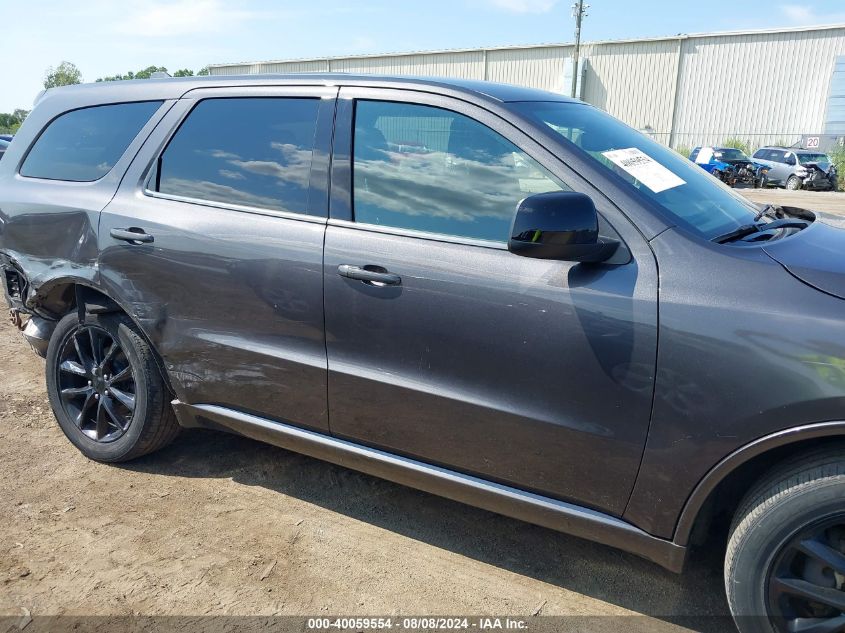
<point x="341" y="212"/>
<point x="325" y="116"/>
<point x="155" y="117"/>
<point x="340" y="206"/>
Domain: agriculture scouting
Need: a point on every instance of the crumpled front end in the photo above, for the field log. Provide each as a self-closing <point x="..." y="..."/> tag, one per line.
<point x="820" y="176"/>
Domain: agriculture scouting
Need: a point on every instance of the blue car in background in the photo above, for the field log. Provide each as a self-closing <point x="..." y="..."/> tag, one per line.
<point x="730" y="165"/>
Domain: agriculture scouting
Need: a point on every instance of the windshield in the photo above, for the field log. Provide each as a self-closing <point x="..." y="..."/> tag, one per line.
<point x="813" y="158"/>
<point x="688" y="194"/>
<point x="730" y="154"/>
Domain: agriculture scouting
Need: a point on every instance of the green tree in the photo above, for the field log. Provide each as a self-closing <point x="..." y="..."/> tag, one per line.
<point x="10" y="122"/>
<point x="65" y="74"/>
<point x="738" y="143"/>
<point x="147" y="72"/>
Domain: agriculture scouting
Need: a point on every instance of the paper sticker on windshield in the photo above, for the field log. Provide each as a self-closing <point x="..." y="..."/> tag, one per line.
<point x="644" y="168"/>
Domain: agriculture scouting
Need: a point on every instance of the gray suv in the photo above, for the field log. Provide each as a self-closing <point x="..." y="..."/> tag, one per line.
<point x="495" y="294"/>
<point x="798" y="168"/>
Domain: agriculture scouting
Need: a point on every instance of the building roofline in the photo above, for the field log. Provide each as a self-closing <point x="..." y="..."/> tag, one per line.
<point x="664" y="38"/>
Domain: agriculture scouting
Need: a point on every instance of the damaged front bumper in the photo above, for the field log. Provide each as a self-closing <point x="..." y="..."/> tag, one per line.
<point x="37" y="333"/>
<point x="817" y="177"/>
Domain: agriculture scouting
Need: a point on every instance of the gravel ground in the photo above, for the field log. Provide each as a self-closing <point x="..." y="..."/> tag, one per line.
<point x="221" y="525"/>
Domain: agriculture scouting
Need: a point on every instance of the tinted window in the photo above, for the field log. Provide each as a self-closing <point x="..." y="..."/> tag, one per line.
<point x="776" y="155"/>
<point x="813" y="158"/>
<point x="254" y="152"/>
<point x="83" y="145"/>
<point x="694" y="154"/>
<point x="760" y="153"/>
<point x="687" y="193"/>
<point x="729" y="154"/>
<point x="428" y="169"/>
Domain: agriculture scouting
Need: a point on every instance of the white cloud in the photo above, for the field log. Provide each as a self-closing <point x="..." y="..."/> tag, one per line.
<point x="525" y="6"/>
<point x="181" y="17"/>
<point x="803" y="15"/>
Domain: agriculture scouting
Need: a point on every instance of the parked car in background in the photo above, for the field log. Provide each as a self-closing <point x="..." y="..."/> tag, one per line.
<point x="6" y="137"/>
<point x="3" y="145"/>
<point x="730" y="165"/>
<point x="798" y="168"/>
<point x="492" y="293"/>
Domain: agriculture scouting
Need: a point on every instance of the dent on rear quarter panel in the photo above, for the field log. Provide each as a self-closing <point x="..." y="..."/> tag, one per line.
<point x="48" y="244"/>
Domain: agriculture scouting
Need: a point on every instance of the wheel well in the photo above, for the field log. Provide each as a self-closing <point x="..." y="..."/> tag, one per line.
<point x="65" y="298"/>
<point x="717" y="511"/>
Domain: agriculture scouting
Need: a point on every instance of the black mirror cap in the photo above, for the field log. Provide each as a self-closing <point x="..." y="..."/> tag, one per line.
<point x="561" y="225"/>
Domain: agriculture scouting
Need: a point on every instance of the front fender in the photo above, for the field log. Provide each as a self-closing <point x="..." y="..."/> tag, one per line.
<point x="741" y="456"/>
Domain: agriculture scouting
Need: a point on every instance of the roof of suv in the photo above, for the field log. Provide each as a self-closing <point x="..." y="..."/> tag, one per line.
<point x="797" y="150"/>
<point x="173" y="88"/>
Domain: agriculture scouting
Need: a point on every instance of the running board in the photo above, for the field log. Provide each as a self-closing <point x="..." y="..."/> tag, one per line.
<point x="551" y="513"/>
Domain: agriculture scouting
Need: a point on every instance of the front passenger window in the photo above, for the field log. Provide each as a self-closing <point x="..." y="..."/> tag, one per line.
<point x="428" y="169"/>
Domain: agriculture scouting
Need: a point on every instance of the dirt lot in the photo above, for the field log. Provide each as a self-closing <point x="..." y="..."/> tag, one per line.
<point x="825" y="201"/>
<point x="218" y="524"/>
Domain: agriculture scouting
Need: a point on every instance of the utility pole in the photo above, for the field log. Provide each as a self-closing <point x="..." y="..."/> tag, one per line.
<point x="579" y="10"/>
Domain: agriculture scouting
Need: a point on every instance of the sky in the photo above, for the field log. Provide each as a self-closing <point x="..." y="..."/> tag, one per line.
<point x="109" y="37"/>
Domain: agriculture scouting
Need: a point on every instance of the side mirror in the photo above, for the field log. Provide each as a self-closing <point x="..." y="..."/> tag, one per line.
<point x="559" y="225"/>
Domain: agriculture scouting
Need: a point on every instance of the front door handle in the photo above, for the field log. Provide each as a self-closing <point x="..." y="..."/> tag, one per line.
<point x="371" y="274"/>
<point x="132" y="235"/>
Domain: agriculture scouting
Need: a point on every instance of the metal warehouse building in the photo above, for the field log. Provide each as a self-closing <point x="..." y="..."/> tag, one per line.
<point x="758" y="86"/>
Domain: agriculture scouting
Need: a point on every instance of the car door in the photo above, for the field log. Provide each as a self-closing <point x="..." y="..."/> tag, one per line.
<point x="445" y="347"/>
<point x="214" y="242"/>
<point x="761" y="157"/>
<point x="779" y="171"/>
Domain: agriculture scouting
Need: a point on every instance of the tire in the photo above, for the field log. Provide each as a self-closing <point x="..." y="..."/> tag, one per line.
<point x="793" y="183"/>
<point x="124" y="414"/>
<point x="802" y="498"/>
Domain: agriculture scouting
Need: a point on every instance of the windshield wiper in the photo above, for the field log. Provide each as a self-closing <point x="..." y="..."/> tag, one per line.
<point x="749" y="229"/>
<point x="771" y="210"/>
<point x="737" y="234"/>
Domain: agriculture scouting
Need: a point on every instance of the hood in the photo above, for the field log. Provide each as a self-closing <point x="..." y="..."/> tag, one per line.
<point x="823" y="165"/>
<point x="816" y="256"/>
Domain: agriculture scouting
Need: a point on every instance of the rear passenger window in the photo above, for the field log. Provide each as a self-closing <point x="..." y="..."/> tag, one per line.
<point x="245" y="151"/>
<point x="83" y="145"/>
<point x="428" y="169"/>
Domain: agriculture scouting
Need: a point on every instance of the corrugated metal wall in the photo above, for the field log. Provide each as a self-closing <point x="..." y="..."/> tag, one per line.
<point x="635" y="82"/>
<point x="835" y="118"/>
<point x="761" y="87"/>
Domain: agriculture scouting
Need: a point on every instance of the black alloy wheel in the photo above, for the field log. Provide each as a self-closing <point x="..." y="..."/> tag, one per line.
<point x="96" y="383"/>
<point x="806" y="584"/>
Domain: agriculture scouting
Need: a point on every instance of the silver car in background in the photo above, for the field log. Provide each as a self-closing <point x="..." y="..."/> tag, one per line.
<point x="798" y="168"/>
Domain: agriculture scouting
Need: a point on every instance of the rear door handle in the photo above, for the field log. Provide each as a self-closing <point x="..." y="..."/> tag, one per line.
<point x="372" y="274"/>
<point x="132" y="235"/>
